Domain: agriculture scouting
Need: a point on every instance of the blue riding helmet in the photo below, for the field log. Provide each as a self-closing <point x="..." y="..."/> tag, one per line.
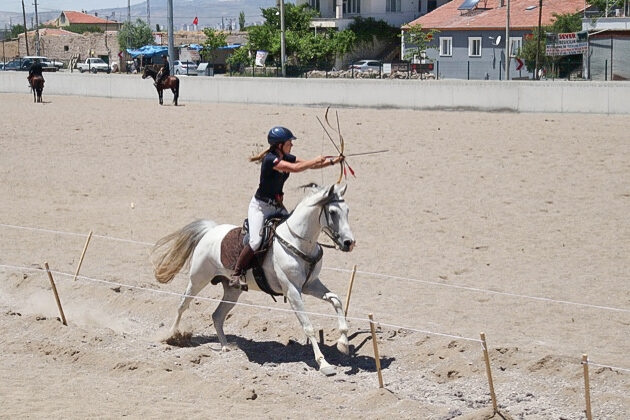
<point x="279" y="135"/>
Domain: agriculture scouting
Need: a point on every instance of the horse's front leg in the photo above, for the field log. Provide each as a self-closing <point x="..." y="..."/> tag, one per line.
<point x="316" y="289"/>
<point x="160" y="96"/>
<point x="294" y="298"/>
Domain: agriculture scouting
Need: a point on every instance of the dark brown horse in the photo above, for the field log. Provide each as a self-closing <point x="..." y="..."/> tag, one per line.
<point x="171" y="82"/>
<point x="37" y="86"/>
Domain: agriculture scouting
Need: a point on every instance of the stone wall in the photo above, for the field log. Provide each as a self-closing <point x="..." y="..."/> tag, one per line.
<point x="62" y="47"/>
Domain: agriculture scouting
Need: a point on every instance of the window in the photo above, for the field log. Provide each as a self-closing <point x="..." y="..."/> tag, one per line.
<point x="66" y="48"/>
<point x="314" y="4"/>
<point x="516" y="44"/>
<point x="431" y="5"/>
<point x="351" y="6"/>
<point x="392" y="5"/>
<point x="474" y="46"/>
<point x="446" y="46"/>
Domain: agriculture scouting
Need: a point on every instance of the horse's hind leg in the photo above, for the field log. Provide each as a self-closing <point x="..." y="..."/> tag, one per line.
<point x="230" y="296"/>
<point x="175" y="95"/>
<point x="316" y="289"/>
<point x="198" y="280"/>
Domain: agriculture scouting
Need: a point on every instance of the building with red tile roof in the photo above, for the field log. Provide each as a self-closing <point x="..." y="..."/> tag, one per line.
<point x="471" y="38"/>
<point x="69" y="17"/>
<point x="491" y="15"/>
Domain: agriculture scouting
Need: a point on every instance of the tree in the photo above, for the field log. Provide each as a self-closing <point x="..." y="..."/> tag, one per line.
<point x="420" y="39"/>
<point x="602" y="5"/>
<point x="214" y="40"/>
<point x="82" y="28"/>
<point x="563" y="23"/>
<point x="241" y="21"/>
<point x="16" y="30"/>
<point x="135" y="35"/>
<point x="240" y="56"/>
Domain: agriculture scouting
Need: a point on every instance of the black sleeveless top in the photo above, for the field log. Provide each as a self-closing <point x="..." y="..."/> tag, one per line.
<point x="272" y="181"/>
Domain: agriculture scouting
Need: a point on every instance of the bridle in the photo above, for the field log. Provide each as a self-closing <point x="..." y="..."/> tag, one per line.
<point x="334" y="236"/>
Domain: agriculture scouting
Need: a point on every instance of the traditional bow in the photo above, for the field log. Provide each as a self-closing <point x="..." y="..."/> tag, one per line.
<point x="343" y="163"/>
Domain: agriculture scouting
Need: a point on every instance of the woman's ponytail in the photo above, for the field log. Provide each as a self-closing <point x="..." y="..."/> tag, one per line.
<point x="260" y="156"/>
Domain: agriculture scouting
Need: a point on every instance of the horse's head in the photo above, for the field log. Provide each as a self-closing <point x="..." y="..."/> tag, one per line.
<point x="333" y="216"/>
<point x="147" y="72"/>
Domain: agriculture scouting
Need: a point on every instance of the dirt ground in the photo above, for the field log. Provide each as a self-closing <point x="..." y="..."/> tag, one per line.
<point x="465" y="219"/>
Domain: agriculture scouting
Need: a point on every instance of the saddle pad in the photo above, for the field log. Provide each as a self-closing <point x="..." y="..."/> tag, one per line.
<point x="231" y="246"/>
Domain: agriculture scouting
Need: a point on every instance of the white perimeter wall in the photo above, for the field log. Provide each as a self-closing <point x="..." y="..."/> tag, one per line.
<point x="520" y="96"/>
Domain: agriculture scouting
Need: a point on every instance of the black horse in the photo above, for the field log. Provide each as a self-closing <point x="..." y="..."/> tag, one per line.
<point x="37" y="86"/>
<point x="171" y="82"/>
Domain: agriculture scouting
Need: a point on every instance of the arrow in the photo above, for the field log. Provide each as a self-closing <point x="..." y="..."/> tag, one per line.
<point x="520" y="63"/>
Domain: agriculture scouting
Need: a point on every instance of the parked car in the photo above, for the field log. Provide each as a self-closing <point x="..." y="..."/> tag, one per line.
<point x="366" y="65"/>
<point x="12" y="65"/>
<point x="93" y="65"/>
<point x="185" y="67"/>
<point x="28" y="61"/>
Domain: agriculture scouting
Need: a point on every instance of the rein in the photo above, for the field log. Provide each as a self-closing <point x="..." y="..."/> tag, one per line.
<point x="312" y="261"/>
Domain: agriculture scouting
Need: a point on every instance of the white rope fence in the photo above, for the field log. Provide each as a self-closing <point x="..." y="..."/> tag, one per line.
<point x="585" y="362"/>
<point x="367" y="273"/>
<point x="606" y="366"/>
<point x="270" y="308"/>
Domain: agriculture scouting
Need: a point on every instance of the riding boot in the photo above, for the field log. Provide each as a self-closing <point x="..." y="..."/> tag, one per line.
<point x="242" y="264"/>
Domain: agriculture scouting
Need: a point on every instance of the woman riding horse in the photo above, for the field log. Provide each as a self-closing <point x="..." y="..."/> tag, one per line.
<point x="277" y="163"/>
<point x="170" y="82"/>
<point x="36" y="80"/>
<point x="164" y="72"/>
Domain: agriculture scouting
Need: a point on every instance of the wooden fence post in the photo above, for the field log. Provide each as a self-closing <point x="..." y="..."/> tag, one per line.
<point x="354" y="271"/>
<point x="587" y="390"/>
<point x="376" y="356"/>
<point x="54" y="289"/>
<point x="484" y="346"/>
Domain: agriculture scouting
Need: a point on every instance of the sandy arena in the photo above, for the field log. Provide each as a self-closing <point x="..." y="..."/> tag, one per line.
<point x="463" y="205"/>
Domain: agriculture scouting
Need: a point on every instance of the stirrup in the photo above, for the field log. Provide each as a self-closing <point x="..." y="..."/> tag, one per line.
<point x="238" y="282"/>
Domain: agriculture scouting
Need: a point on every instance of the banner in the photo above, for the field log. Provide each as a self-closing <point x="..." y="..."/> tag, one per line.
<point x="261" y="57"/>
<point x="567" y="44"/>
<point x="196" y="21"/>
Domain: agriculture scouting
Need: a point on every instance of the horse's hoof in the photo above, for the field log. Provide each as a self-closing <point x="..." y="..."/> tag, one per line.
<point x="328" y="370"/>
<point x="343" y="347"/>
<point x="225" y="349"/>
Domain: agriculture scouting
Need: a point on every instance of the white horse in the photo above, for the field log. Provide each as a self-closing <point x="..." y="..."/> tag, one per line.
<point x="292" y="263"/>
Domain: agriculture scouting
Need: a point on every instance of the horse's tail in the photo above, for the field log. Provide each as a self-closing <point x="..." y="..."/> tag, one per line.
<point x="174" y="250"/>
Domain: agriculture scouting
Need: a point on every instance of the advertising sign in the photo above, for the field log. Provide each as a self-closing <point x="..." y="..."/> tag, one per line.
<point x="567" y="44"/>
<point x="261" y="57"/>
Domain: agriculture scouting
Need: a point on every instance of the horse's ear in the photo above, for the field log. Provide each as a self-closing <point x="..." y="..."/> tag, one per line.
<point x="342" y="190"/>
<point x="325" y="196"/>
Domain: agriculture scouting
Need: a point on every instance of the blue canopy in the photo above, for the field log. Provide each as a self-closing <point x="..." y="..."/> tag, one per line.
<point x="148" y="51"/>
<point x="200" y="47"/>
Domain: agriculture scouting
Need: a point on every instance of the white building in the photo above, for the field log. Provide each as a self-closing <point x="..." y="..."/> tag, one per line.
<point x="340" y="13"/>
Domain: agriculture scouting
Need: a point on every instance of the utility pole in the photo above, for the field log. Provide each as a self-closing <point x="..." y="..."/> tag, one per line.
<point x="507" y="41"/>
<point x="171" y="44"/>
<point x="149" y="13"/>
<point x="282" y="41"/>
<point x="128" y="10"/>
<point x="538" y="41"/>
<point x="36" y="29"/>
<point x="25" y="32"/>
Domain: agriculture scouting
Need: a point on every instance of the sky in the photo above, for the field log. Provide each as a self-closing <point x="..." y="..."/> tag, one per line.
<point x="47" y="5"/>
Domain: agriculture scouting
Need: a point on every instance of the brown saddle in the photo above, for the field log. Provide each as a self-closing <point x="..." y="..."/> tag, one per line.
<point x="231" y="247"/>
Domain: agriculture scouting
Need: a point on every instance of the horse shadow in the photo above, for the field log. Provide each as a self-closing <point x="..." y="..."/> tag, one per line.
<point x="273" y="352"/>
